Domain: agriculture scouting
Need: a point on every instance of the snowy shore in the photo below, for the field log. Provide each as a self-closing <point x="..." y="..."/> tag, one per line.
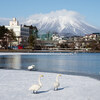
<point x="14" y="85"/>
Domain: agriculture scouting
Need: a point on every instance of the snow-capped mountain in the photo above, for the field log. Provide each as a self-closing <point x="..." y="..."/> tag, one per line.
<point x="63" y="22"/>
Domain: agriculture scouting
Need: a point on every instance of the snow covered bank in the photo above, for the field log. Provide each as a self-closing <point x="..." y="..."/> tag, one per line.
<point x="3" y="53"/>
<point x="14" y="85"/>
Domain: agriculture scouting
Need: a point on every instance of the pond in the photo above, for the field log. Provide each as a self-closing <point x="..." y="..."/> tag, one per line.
<point x="83" y="63"/>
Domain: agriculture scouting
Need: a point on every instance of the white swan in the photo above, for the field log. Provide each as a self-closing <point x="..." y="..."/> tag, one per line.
<point x="36" y="87"/>
<point x="57" y="84"/>
<point x="31" y="67"/>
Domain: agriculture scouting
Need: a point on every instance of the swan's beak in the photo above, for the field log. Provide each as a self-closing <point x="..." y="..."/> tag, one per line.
<point x="42" y="75"/>
<point x="33" y="65"/>
<point x="59" y="74"/>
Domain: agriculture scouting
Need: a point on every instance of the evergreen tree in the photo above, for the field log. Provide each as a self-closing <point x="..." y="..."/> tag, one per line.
<point x="32" y="40"/>
<point x="6" y="36"/>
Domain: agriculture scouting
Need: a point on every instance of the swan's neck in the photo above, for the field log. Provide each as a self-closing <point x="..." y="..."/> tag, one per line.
<point x="57" y="79"/>
<point x="40" y="82"/>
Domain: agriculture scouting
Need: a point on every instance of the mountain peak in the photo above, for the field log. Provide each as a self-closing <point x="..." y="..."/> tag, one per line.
<point x="63" y="22"/>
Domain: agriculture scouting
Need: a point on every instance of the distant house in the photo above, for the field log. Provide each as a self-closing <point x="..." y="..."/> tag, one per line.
<point x="21" y="32"/>
<point x="94" y="36"/>
<point x="56" y="37"/>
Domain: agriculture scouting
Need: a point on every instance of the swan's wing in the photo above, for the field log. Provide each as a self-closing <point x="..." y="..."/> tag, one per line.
<point x="56" y="84"/>
<point x="34" y="87"/>
<point x="30" y="67"/>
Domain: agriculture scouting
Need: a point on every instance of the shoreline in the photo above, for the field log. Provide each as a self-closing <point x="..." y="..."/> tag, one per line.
<point x="94" y="76"/>
<point x="97" y="77"/>
<point x="51" y="51"/>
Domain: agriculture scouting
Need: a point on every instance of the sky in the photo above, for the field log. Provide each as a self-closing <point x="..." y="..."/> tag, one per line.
<point x="20" y="9"/>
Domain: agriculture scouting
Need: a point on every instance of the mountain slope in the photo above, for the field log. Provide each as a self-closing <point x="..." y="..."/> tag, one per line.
<point x="63" y="22"/>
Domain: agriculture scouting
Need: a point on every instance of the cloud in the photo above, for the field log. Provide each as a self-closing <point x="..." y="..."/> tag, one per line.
<point x="69" y="15"/>
<point x="4" y="21"/>
<point x="57" y="14"/>
<point x="53" y="14"/>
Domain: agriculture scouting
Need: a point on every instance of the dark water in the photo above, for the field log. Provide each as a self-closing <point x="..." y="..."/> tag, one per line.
<point x="85" y="63"/>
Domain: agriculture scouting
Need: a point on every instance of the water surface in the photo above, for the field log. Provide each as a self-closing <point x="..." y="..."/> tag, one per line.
<point x="88" y="63"/>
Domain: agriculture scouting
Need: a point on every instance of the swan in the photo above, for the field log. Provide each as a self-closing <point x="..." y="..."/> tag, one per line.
<point x="56" y="83"/>
<point x="31" y="67"/>
<point x="36" y="87"/>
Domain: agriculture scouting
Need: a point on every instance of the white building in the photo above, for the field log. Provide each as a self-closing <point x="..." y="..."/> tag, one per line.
<point x="21" y="32"/>
<point x="58" y="38"/>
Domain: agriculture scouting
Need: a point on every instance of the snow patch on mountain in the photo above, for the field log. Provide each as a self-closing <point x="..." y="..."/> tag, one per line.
<point x="63" y="22"/>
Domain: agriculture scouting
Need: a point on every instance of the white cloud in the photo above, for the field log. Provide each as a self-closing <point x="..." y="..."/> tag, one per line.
<point x="36" y="17"/>
<point x="58" y="13"/>
<point x="4" y="21"/>
<point x="55" y="14"/>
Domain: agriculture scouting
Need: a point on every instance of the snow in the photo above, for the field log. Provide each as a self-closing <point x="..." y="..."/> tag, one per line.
<point x="3" y="53"/>
<point x="14" y="85"/>
<point x="62" y="22"/>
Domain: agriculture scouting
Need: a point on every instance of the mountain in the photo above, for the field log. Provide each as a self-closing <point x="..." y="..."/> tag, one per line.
<point x="66" y="23"/>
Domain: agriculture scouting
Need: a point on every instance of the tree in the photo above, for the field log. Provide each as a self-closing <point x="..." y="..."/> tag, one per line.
<point x="63" y="45"/>
<point x="32" y="40"/>
<point x="3" y="31"/>
<point x="35" y="31"/>
<point x="6" y="36"/>
<point x="11" y="37"/>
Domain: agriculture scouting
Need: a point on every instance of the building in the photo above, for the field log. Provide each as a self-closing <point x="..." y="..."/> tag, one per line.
<point x="46" y="36"/>
<point x="56" y="37"/>
<point x="33" y="30"/>
<point x="21" y="32"/>
<point x="94" y="36"/>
